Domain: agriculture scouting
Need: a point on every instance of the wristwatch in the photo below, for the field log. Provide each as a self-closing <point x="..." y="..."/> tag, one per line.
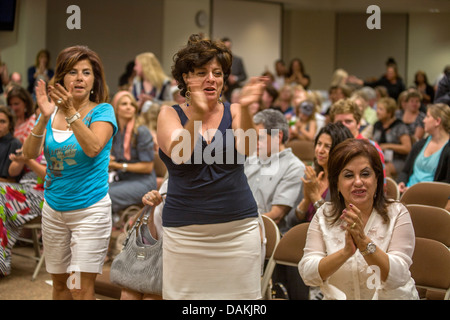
<point x="318" y="203"/>
<point x="371" y="248"/>
<point x="124" y="167"/>
<point x="73" y="118"/>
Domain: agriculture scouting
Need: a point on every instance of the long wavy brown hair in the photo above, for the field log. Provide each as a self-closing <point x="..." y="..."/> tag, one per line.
<point x="340" y="156"/>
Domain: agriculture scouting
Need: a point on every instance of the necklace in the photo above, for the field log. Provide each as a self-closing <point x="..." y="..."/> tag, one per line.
<point x="78" y="111"/>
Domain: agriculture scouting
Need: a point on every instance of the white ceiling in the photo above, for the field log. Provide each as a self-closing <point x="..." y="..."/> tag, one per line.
<point x="361" y="5"/>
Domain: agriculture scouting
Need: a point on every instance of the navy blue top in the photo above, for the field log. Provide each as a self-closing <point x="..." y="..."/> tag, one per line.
<point x="211" y="187"/>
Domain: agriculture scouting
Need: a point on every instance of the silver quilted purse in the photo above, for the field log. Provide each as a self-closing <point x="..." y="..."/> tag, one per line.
<point x="139" y="266"/>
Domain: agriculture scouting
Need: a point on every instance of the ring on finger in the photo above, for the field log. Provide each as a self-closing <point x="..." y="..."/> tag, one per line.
<point x="59" y="101"/>
<point x="353" y="225"/>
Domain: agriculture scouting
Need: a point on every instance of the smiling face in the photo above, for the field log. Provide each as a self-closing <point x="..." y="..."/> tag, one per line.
<point x="322" y="149"/>
<point x="81" y="77"/>
<point x="125" y="109"/>
<point x="357" y="182"/>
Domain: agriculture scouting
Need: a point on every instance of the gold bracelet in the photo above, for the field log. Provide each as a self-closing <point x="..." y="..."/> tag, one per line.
<point x="36" y="135"/>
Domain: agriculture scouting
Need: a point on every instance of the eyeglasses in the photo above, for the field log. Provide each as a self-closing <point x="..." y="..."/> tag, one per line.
<point x="2" y="121"/>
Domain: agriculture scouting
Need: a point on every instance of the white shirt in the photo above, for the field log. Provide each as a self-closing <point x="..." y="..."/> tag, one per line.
<point x="354" y="279"/>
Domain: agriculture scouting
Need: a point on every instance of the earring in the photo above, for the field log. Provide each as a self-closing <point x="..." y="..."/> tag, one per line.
<point x="187" y="95"/>
<point x="220" y="98"/>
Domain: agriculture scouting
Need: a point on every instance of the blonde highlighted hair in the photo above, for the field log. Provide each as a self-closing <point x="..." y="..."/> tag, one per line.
<point x="152" y="70"/>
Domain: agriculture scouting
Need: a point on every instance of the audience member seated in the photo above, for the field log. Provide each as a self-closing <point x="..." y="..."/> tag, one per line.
<point x="131" y="155"/>
<point x="270" y="95"/>
<point x="359" y="235"/>
<point x="425" y="89"/>
<point x="151" y="84"/>
<point x="40" y="70"/>
<point x="335" y="93"/>
<point x="9" y="171"/>
<point x="392" y="135"/>
<point x="296" y="74"/>
<point x="273" y="173"/>
<point x="22" y="105"/>
<point x="19" y="202"/>
<point x="411" y="114"/>
<point x="349" y="114"/>
<point x="430" y="157"/>
<point x="280" y="74"/>
<point x="284" y="101"/>
<point x="315" y="181"/>
<point x="443" y="88"/>
<point x="273" y="176"/>
<point x="390" y="80"/>
<point x="305" y="127"/>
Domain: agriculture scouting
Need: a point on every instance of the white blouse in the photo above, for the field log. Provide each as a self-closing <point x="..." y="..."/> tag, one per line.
<point x="355" y="280"/>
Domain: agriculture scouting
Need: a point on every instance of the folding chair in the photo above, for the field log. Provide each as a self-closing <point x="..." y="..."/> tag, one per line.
<point x="427" y="193"/>
<point x="430" y="222"/>
<point x="431" y="266"/>
<point x="392" y="191"/>
<point x="304" y="150"/>
<point x="272" y="239"/>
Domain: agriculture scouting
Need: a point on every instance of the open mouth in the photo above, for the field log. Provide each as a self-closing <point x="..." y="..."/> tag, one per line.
<point x="359" y="192"/>
<point x="210" y="89"/>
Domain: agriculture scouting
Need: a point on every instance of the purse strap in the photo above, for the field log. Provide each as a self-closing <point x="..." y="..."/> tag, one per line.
<point x="145" y="213"/>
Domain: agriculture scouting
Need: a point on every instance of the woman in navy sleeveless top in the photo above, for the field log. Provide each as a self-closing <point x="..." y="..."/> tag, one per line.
<point x="212" y="242"/>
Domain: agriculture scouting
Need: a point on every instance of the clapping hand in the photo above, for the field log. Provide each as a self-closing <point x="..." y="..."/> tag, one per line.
<point x="252" y="91"/>
<point x="46" y="105"/>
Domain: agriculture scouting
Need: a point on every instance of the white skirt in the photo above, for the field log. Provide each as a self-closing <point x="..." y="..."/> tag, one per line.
<point x="213" y="261"/>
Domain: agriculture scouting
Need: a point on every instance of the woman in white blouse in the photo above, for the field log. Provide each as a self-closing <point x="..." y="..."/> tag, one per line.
<point x="359" y="245"/>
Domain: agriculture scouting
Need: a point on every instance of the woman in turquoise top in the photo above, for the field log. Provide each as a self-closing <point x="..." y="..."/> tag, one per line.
<point x="429" y="157"/>
<point x="75" y="129"/>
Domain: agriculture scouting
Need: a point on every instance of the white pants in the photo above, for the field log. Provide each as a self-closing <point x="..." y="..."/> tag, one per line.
<point x="76" y="240"/>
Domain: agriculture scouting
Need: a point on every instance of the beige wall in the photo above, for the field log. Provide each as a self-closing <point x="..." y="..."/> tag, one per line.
<point x="310" y="36"/>
<point x="19" y="47"/>
<point x="255" y="30"/>
<point x="261" y="33"/>
<point x="178" y="24"/>
<point x="363" y="52"/>
<point x="428" y="44"/>
<point x="117" y="30"/>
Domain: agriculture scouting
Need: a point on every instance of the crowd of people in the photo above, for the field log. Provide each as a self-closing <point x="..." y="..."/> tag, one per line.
<point x="82" y="160"/>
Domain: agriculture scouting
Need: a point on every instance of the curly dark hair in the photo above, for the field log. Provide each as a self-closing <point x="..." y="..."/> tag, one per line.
<point x="198" y="52"/>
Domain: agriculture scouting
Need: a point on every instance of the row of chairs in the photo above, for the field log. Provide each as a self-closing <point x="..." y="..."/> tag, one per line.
<point x="431" y="259"/>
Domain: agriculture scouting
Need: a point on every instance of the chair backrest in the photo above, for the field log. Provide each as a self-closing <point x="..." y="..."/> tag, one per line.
<point x="431" y="266"/>
<point x="392" y="191"/>
<point x="428" y="193"/>
<point x="304" y="150"/>
<point x="272" y="239"/>
<point x="290" y="248"/>
<point x="430" y="222"/>
<point x="272" y="235"/>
